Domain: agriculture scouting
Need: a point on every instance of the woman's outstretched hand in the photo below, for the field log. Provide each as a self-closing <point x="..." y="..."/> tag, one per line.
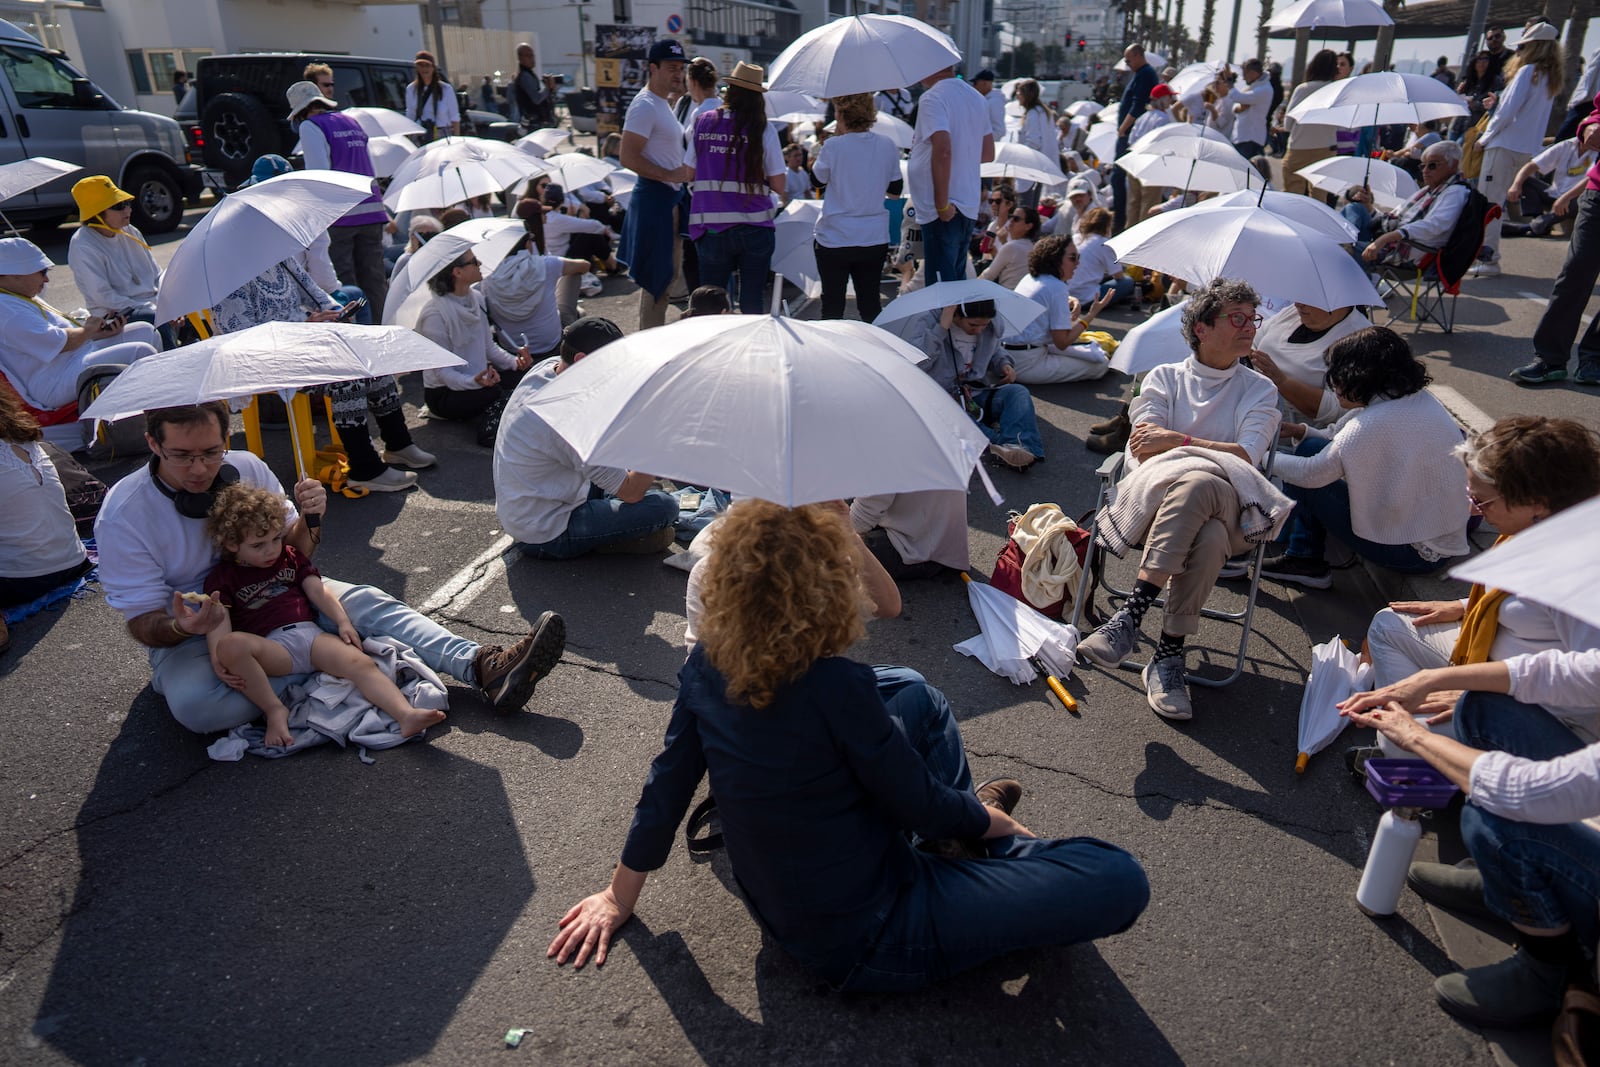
<point x="587" y="928"/>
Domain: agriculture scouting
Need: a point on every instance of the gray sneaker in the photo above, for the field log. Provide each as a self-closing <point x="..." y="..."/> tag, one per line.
<point x="1111" y="645"/>
<point x="1516" y="992"/>
<point x="1166" y="689"/>
<point x="1456" y="888"/>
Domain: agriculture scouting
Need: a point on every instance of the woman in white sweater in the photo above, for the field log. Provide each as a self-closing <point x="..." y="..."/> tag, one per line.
<point x="1010" y="263"/>
<point x="1037" y="130"/>
<point x="1534" y="77"/>
<point x="457" y="320"/>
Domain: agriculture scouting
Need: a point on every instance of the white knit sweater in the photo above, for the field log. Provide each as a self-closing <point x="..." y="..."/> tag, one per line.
<point x="1405" y="486"/>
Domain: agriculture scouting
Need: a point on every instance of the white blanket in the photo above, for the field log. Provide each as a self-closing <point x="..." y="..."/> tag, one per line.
<point x="1263" y="509"/>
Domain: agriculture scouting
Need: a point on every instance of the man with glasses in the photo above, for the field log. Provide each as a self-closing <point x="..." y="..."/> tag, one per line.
<point x="1494" y="42"/>
<point x="1185" y="507"/>
<point x="1426" y="219"/>
<point x="154" y="549"/>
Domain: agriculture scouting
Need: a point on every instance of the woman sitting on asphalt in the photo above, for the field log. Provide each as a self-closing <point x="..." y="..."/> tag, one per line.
<point x="111" y="264"/>
<point x="1047" y="350"/>
<point x="1098" y="274"/>
<point x="1010" y="264"/>
<point x="1292" y="350"/>
<point x="1386" y="481"/>
<point x="828" y="774"/>
<point x="456" y="319"/>
<point x="1530" y="824"/>
<point x="522" y="294"/>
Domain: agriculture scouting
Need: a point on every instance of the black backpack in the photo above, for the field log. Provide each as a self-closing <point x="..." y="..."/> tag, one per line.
<point x="1461" y="247"/>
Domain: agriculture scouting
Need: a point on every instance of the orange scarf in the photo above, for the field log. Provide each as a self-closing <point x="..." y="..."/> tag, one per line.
<point x="1479" y="625"/>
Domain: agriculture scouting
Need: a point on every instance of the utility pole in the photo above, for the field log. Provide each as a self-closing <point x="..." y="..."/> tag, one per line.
<point x="1480" y="17"/>
<point x="583" y="45"/>
<point x="1233" y="32"/>
<point x="436" y="20"/>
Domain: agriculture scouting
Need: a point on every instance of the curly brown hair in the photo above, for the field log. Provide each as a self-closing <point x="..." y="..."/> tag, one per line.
<point x="854" y="113"/>
<point x="1534" y="459"/>
<point x="781" y="591"/>
<point x="242" y="512"/>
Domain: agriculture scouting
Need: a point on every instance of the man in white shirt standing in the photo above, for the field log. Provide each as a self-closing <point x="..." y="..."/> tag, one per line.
<point x="652" y="147"/>
<point x="953" y="139"/>
<point x="1252" y="107"/>
<point x="983" y="81"/>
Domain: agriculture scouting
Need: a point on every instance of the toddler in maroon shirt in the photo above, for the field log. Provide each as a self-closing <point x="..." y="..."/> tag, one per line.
<point x="273" y="594"/>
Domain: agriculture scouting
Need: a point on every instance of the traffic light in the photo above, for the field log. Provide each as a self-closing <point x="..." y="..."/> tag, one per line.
<point x="1082" y="43"/>
<point x="1069" y="39"/>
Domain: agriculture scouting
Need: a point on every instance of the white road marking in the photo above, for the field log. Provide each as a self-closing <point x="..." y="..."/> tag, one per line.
<point x="1543" y="298"/>
<point x="1466" y="412"/>
<point x="468" y="583"/>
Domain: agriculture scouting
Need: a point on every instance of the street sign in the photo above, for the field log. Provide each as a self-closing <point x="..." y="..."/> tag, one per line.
<point x="674" y="23"/>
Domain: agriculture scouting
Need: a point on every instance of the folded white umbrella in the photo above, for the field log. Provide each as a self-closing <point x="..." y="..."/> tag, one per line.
<point x="1379" y="99"/>
<point x="794" y="258"/>
<point x="1279" y="257"/>
<point x="1013" y="160"/>
<point x="1194" y="77"/>
<point x="491" y="239"/>
<point x="1193" y="166"/>
<point x="1556" y="563"/>
<point x="1390" y="185"/>
<point x="250" y="231"/>
<point x="1336" y="674"/>
<point x="786" y="105"/>
<point x="25" y="174"/>
<point x="541" y="143"/>
<point x="382" y="121"/>
<point x="863" y="54"/>
<point x="1084" y="109"/>
<point x="789" y="411"/>
<point x="1309" y="212"/>
<point x="574" y="170"/>
<point x="1330" y="14"/>
<point x="1012" y="309"/>
<point x="1014" y="640"/>
<point x="1165" y="140"/>
<point x="387" y="153"/>
<point x="897" y="130"/>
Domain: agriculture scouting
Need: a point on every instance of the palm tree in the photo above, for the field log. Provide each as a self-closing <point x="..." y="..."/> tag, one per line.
<point x="1208" y="18"/>
<point x="1261" y="30"/>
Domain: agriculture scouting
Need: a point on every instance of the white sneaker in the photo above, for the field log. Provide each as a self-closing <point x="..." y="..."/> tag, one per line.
<point x="590" y="285"/>
<point x="1166" y="689"/>
<point x="392" y="480"/>
<point x="410" y="456"/>
<point x="1485" y="270"/>
<point x="1014" y="456"/>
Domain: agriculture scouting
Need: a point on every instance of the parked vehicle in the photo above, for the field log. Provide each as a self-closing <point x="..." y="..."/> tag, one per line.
<point x="49" y="108"/>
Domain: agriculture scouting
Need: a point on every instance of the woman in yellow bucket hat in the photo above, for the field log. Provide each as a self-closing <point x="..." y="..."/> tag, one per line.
<point x="110" y="260"/>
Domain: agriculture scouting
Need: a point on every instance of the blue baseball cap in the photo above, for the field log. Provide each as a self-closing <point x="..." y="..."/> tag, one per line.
<point x="665" y="50"/>
<point x="267" y="166"/>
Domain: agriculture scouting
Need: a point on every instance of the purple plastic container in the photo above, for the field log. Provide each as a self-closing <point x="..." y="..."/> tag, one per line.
<point x="1408" y="783"/>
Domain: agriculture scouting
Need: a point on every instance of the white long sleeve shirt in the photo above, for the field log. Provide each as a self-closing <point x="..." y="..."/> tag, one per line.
<point x="1251" y="124"/>
<point x="113" y="272"/>
<point x="1520" y="115"/>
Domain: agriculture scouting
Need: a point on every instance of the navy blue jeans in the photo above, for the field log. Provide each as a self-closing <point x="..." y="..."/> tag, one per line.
<point x="1010" y="407"/>
<point x="943" y="246"/>
<point x="1030" y="892"/>
<point x="745" y="250"/>
<point x="1538" y="876"/>
<point x="603" y="520"/>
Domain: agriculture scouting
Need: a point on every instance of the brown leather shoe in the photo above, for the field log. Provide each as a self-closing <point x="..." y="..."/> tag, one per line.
<point x="1107" y="425"/>
<point x="507" y="676"/>
<point x="1111" y="442"/>
<point x="1002" y="793"/>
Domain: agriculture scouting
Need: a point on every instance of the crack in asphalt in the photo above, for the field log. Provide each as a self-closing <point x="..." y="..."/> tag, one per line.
<point x="598" y="668"/>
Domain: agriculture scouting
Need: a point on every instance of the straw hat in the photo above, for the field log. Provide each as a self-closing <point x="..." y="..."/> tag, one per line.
<point x="748" y="76"/>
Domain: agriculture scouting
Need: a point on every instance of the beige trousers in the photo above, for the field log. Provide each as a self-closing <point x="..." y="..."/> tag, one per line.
<point x="1293" y="160"/>
<point x="1195" y="530"/>
<point x="653" y="312"/>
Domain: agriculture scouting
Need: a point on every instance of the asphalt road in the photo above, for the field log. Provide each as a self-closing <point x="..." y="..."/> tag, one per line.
<point x="156" y="907"/>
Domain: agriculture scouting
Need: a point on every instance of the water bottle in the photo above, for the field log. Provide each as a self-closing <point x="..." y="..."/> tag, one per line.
<point x="1388" y="861"/>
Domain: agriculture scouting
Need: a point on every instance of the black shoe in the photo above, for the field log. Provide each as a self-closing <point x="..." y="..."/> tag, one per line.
<point x="1516" y="992"/>
<point x="1538" y="373"/>
<point x="1454" y="888"/>
<point x="1516" y="229"/>
<point x="1296" y="570"/>
<point x="507" y="676"/>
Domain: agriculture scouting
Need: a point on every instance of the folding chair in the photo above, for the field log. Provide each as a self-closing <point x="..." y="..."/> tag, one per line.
<point x="1432" y="296"/>
<point x="1093" y="572"/>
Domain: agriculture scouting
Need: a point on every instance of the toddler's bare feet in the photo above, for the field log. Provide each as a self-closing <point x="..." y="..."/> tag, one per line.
<point x="278" y="735"/>
<point x="415" y="721"/>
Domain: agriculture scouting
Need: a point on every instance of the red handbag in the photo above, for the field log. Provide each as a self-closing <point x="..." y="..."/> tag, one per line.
<point x="1007" y="575"/>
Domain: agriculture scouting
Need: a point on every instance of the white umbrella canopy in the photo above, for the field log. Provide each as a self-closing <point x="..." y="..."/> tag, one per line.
<point x="250" y="231"/>
<point x="382" y="121"/>
<point x="1390" y="185"/>
<point x="622" y="183"/>
<point x="1165" y="140"/>
<point x="455" y="184"/>
<point x="1012" y="635"/>
<point x="499" y="159"/>
<point x="1159" y="339"/>
<point x="786" y="105"/>
<point x="1194" y="166"/>
<point x="886" y="125"/>
<point x="574" y="170"/>
<point x="1276" y="255"/>
<point x="1084" y="109"/>
<point x="1320" y="14"/>
<point x="1336" y="674"/>
<point x="1194" y="76"/>
<point x="1556" y="563"/>
<point x="408" y="289"/>
<point x="789" y="411"/>
<point x="25" y="174"/>
<point x="1013" y="160"/>
<point x="541" y="143"/>
<point x="1376" y="99"/>
<point x="387" y="153"/>
<point x="794" y="258"/>
<point x="1012" y="309"/>
<point x="1102" y="141"/>
<point x="1311" y="213"/>
<point x="1155" y="59"/>
<point x="863" y="54"/>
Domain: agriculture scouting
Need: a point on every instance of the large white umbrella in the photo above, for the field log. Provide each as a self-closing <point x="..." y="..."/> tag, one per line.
<point x="1193" y="166"/>
<point x="17" y="178"/>
<point x="491" y="239"/>
<point x="1309" y="212"/>
<point x="785" y="105"/>
<point x="387" y="153"/>
<point x="1391" y="186"/>
<point x="1278" y="256"/>
<point x="1155" y="59"/>
<point x="382" y="121"/>
<point x="574" y="170"/>
<point x="794" y="258"/>
<point x="886" y="125"/>
<point x="1013" y="160"/>
<point x="1084" y="109"/>
<point x="790" y="411"/>
<point x="1159" y="339"/>
<point x="1194" y="77"/>
<point x="541" y="143"/>
<point x="1377" y="99"/>
<point x="622" y="183"/>
<point x="274" y="357"/>
<point x="1556" y="563"/>
<point x="1336" y="674"/>
<point x="1015" y="641"/>
<point x="1330" y="14"/>
<point x="1102" y="141"/>
<point x="1012" y="309"/>
<point x="863" y="54"/>
<point x="1175" y="133"/>
<point x="250" y="231"/>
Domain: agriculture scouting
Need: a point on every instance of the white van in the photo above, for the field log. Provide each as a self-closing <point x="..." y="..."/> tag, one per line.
<point x="49" y="108"/>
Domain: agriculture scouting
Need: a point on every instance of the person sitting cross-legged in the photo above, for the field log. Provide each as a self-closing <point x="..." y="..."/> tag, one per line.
<point x="1217" y="412"/>
<point x="555" y="505"/>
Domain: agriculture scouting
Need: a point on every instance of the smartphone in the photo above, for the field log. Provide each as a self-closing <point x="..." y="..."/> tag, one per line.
<point x="126" y="313"/>
<point x="352" y="309"/>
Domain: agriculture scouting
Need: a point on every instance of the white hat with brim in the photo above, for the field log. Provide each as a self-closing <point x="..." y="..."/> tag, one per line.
<point x="1078" y="185"/>
<point x="302" y="95"/>
<point x="18" y="255"/>
<point x="1542" y="32"/>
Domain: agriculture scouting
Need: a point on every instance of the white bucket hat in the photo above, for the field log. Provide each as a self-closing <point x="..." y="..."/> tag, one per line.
<point x="302" y="95"/>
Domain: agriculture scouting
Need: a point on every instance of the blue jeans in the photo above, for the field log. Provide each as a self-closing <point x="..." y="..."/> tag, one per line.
<point x="1030" y="892"/>
<point x="944" y="245"/>
<point x="1123" y="287"/>
<point x="745" y="249"/>
<point x="1538" y="876"/>
<point x="1361" y="217"/>
<point x="200" y="702"/>
<point x="346" y="293"/>
<point x="1011" y="408"/>
<point x="1318" y="512"/>
<point x="604" y="520"/>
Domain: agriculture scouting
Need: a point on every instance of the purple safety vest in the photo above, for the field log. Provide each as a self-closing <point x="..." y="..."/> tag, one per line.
<point x="721" y="199"/>
<point x="347" y="152"/>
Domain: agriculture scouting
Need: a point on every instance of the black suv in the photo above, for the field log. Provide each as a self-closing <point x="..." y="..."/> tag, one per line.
<point x="239" y="110"/>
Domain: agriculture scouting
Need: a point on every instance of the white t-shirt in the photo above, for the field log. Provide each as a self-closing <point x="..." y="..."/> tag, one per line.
<point x="1096" y="262"/>
<point x="1051" y="292"/>
<point x="857" y="169"/>
<point x="710" y="103"/>
<point x="1566" y="163"/>
<point x="996" y="104"/>
<point x="651" y="117"/>
<point x="559" y="228"/>
<point x="148" y="551"/>
<point x="954" y="107"/>
<point x="1307" y="363"/>
<point x="37" y="533"/>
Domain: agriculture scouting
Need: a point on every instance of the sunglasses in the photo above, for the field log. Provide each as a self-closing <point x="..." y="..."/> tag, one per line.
<point x="1019" y="218"/>
<point x="1432" y="164"/>
<point x="471" y="263"/>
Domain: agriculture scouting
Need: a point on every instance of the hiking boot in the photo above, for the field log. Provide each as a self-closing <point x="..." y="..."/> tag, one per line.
<point x="507" y="676"/>
<point x="1517" y="992"/>
<point x="390" y="480"/>
<point x="643" y="545"/>
<point x="410" y="456"/>
<point x="1111" y="645"/>
<point x="1538" y="373"/>
<point x="1166" y="689"/>
<point x="1002" y="793"/>
<point x="1014" y="456"/>
<point x="1108" y="425"/>
<point x="1455" y="888"/>
<point x="1107" y="444"/>
<point x="1297" y="570"/>
<point x="1588" y="374"/>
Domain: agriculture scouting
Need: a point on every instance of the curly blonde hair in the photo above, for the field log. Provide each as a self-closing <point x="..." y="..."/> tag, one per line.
<point x="781" y="591"/>
<point x="242" y="512"/>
